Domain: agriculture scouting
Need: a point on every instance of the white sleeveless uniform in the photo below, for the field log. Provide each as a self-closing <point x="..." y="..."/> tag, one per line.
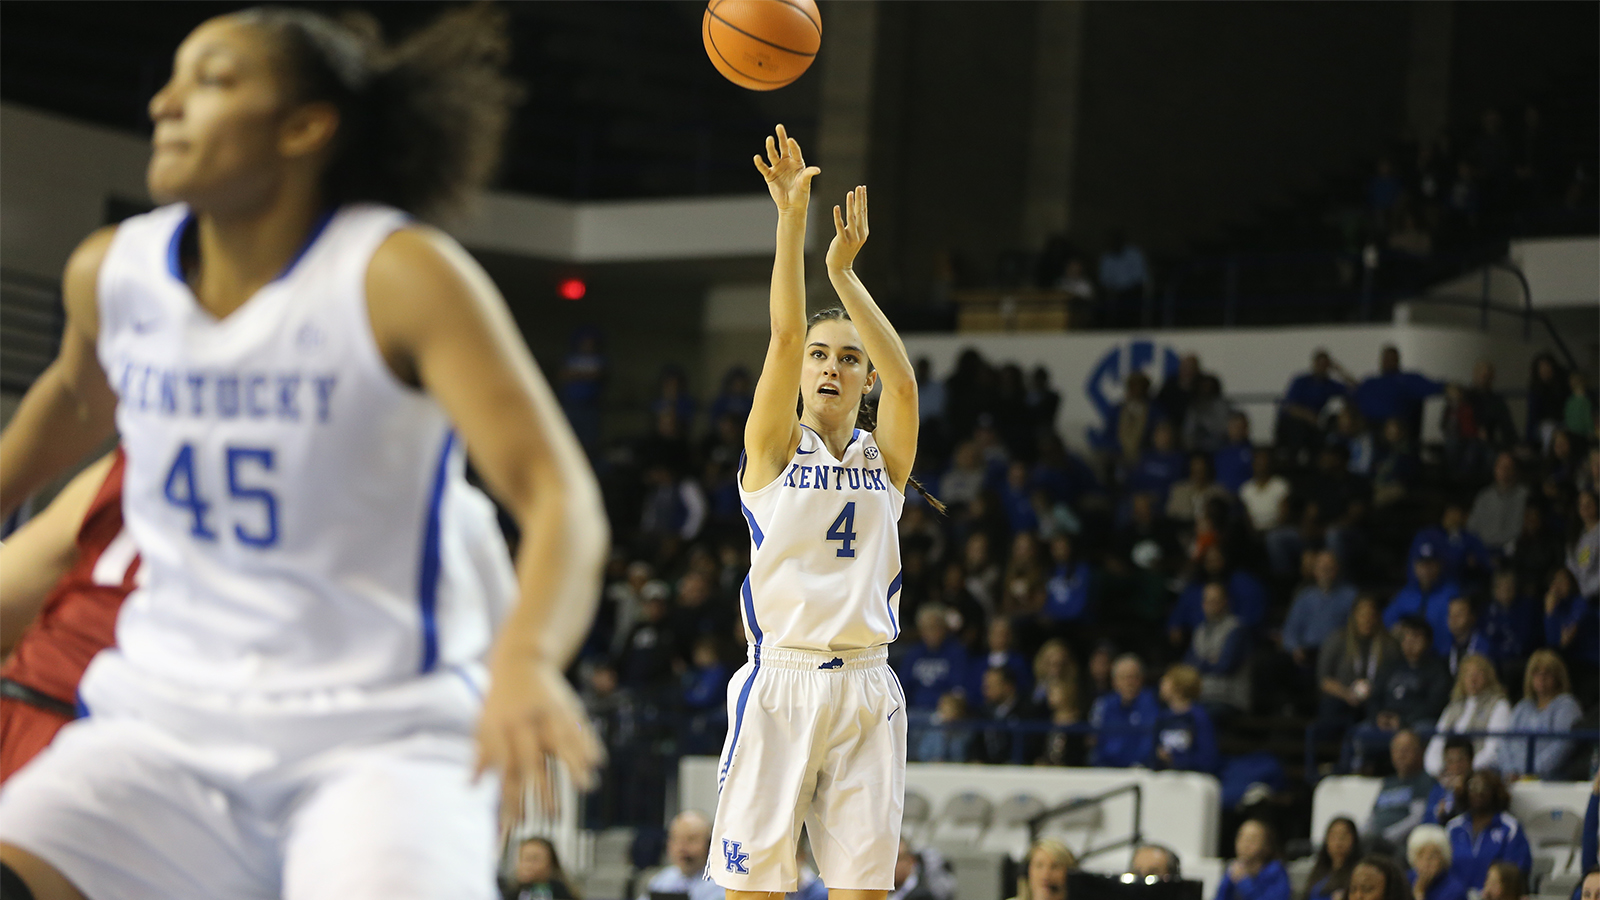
<point x="317" y="574"/>
<point x="815" y="722"/>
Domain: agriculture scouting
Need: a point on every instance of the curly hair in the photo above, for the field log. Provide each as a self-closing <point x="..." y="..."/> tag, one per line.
<point x="421" y="121"/>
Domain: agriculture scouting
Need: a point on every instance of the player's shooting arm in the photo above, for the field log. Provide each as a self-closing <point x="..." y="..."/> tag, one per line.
<point x="898" y="418"/>
<point x="41" y="551"/>
<point x="772" y="431"/>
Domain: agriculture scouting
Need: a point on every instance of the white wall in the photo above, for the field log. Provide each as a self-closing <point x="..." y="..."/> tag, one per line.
<point x="1560" y="271"/>
<point x="1088" y="368"/>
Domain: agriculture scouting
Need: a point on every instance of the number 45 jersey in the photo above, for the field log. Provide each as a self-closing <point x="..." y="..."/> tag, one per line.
<point x="302" y="515"/>
<point x="825" y="551"/>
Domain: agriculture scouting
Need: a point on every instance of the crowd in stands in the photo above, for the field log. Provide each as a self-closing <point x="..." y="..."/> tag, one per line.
<point x="1123" y="605"/>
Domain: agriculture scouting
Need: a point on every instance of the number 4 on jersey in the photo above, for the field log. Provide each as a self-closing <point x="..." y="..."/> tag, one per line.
<point x="844" y="529"/>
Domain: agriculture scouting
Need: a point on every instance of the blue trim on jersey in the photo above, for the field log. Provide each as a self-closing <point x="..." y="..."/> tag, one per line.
<point x="82" y="707"/>
<point x="316" y="232"/>
<point x="855" y="435"/>
<point x="738" y="722"/>
<point x="428" y="579"/>
<point x="755" y="530"/>
<point x="462" y="674"/>
<point x="750" y="617"/>
<point x="174" y="246"/>
<point x="894" y="588"/>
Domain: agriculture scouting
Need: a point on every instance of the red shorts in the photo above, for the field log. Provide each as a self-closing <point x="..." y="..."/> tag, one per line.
<point x="24" y="731"/>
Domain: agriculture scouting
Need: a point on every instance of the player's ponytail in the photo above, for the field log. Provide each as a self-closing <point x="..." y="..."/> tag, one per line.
<point x="421" y="121"/>
<point x="867" y="412"/>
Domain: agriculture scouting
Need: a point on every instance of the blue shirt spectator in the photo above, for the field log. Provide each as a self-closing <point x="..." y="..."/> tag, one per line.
<point x="706" y="685"/>
<point x="1271" y="883"/>
<point x="1185" y="732"/>
<point x="1462" y="555"/>
<point x="1320" y="608"/>
<point x="1124" y="718"/>
<point x="1393" y="394"/>
<point x="1472" y="850"/>
<point x="1511" y="621"/>
<point x="936" y="664"/>
<point x="1156" y="472"/>
<point x="1427" y="595"/>
<point x="1123" y="267"/>
<point x="1313" y="390"/>
<point x="1442" y="806"/>
<point x="1573" y="628"/>
<point x="1068" y="592"/>
<point x="1234" y="464"/>
<point x="1446" y="887"/>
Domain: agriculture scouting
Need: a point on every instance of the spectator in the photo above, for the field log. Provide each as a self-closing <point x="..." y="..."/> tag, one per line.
<point x="1069" y="593"/>
<point x="1234" y="461"/>
<point x="625" y="598"/>
<point x="734" y="397"/>
<point x="1548" y="707"/>
<point x="1052" y="665"/>
<point x="1349" y="663"/>
<point x="1124" y="275"/>
<point x="1497" y="511"/>
<point x="538" y="874"/>
<point x="1061" y="747"/>
<point x="1334" y="502"/>
<point x="1219" y="650"/>
<point x="1179" y="389"/>
<point x="1377" y="877"/>
<point x="688" y="845"/>
<point x="930" y="395"/>
<point x="1159" y="467"/>
<point x="1478" y="703"/>
<point x="921" y="876"/>
<point x="1247" y="597"/>
<point x="1335" y="861"/>
<point x="1354" y="434"/>
<point x="1538" y="549"/>
<point x="1412" y="690"/>
<point x="1123" y="717"/>
<point x="1570" y="625"/>
<point x="706" y="683"/>
<point x="1384" y="189"/>
<point x="1003" y="706"/>
<point x="1449" y="798"/>
<point x="1465" y="637"/>
<point x="674" y="507"/>
<point x="1396" y="467"/>
<point x="1477" y="423"/>
<point x="650" y="651"/>
<point x="582" y="382"/>
<point x="1024" y="576"/>
<point x="1402" y="799"/>
<point x="1075" y="282"/>
<point x="1002" y="654"/>
<point x="1463" y="557"/>
<point x="1319" y="610"/>
<point x="697" y="613"/>
<point x="1264" y="494"/>
<point x="1427" y="594"/>
<point x="1583" y="559"/>
<point x="1134" y="418"/>
<point x="1205" y="425"/>
<point x="1188" y="498"/>
<point x="1299" y="429"/>
<point x="1255" y="872"/>
<point x="1395" y="394"/>
<point x="963" y="481"/>
<point x="1043" y="401"/>
<point x="1512" y="624"/>
<point x="1155" y="861"/>
<point x="1504" y="882"/>
<point x="1185" y="738"/>
<point x="1486" y="832"/>
<point x="948" y="739"/>
<point x="1431" y="877"/>
<point x="1548" y="389"/>
<point x="937" y="664"/>
<point x="1578" y="411"/>
<point x="1044" y="871"/>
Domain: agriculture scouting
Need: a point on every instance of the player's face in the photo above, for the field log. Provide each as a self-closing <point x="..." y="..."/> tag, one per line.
<point x="835" y="375"/>
<point x="219" y="120"/>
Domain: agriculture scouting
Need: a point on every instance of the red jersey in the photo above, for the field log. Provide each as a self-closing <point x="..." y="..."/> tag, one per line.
<point x="79" y="617"/>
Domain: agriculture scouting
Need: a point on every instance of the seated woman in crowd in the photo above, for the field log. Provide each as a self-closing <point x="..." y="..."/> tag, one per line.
<point x="1428" y="852"/>
<point x="1478" y="703"/>
<point x="1377" y="878"/>
<point x="1548" y="706"/>
<point x="1185" y="737"/>
<point x="1486" y="832"/>
<point x="1044" y="871"/>
<point x="1349" y="662"/>
<point x="1336" y="859"/>
<point x="1255" y="872"/>
<point x="1505" y="882"/>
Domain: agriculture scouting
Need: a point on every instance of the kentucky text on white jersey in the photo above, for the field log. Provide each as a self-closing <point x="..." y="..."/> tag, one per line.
<point x="302" y="515"/>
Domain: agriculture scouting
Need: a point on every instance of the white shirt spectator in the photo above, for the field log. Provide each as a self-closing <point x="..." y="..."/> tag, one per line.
<point x="1264" y="502"/>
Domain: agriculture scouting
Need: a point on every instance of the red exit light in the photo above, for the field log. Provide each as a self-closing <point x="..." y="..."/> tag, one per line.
<point x="572" y="289"/>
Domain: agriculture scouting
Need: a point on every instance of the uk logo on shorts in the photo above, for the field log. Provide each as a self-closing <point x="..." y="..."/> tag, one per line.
<point x="736" y="857"/>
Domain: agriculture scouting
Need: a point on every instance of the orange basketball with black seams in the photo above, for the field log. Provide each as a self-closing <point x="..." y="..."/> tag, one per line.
<point x="761" y="45"/>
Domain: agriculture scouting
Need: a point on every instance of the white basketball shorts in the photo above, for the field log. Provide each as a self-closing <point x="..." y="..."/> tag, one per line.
<point x="339" y="794"/>
<point x="817" y="738"/>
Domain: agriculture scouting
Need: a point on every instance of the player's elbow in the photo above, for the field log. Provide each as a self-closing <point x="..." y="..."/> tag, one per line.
<point x="902" y="389"/>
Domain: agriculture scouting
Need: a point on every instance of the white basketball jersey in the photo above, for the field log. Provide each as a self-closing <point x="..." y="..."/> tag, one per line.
<point x="302" y="515"/>
<point x="825" y="551"/>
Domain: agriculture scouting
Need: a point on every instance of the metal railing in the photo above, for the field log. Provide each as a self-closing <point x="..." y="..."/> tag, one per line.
<point x="1036" y="824"/>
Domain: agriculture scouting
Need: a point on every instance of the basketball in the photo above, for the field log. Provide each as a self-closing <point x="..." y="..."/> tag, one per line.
<point x="761" y="45"/>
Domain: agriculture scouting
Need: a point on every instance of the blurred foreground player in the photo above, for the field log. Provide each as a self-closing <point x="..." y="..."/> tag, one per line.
<point x="304" y="689"/>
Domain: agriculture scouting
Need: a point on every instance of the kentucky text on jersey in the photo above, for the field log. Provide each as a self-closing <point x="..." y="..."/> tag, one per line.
<point x="284" y="396"/>
<point x="817" y="478"/>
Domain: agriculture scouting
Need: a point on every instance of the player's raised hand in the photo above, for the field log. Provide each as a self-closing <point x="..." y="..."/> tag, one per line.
<point x="788" y="177"/>
<point x="849" y="229"/>
<point x="532" y="719"/>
